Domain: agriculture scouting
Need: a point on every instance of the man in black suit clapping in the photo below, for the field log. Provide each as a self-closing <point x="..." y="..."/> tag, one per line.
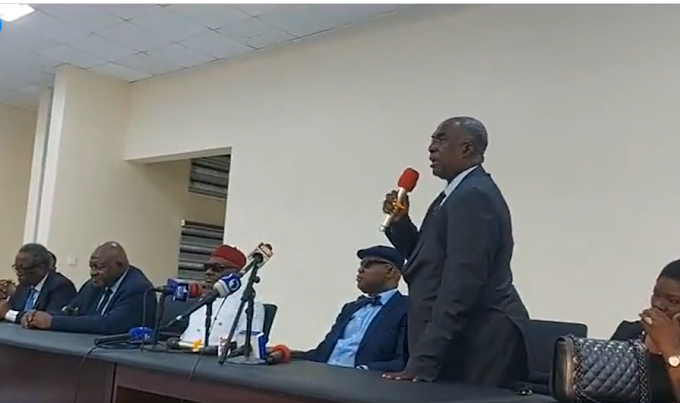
<point x="463" y="304"/>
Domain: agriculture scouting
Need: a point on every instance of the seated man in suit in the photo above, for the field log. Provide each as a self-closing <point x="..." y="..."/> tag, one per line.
<point x="117" y="298"/>
<point x="369" y="333"/>
<point x="224" y="260"/>
<point x="40" y="286"/>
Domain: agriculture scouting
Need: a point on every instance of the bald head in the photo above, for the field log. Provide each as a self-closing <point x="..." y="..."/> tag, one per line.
<point x="107" y="263"/>
<point x="473" y="129"/>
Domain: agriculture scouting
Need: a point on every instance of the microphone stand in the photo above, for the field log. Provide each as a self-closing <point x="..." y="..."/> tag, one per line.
<point x="155" y="335"/>
<point x="208" y="323"/>
<point x="247" y="303"/>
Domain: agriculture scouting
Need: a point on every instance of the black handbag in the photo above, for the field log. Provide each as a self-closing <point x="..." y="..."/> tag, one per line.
<point x="592" y="370"/>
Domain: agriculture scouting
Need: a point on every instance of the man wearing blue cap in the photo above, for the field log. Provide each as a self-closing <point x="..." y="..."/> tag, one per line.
<point x="369" y="333"/>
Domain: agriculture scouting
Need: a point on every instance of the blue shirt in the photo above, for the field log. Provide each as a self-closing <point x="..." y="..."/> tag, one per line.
<point x="345" y="350"/>
<point x="112" y="290"/>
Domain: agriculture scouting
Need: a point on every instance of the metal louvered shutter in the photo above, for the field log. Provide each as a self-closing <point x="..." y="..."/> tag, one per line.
<point x="209" y="176"/>
<point x="197" y="243"/>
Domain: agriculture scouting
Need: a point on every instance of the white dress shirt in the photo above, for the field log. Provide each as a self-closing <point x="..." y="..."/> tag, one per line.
<point x="224" y="313"/>
<point x="451" y="186"/>
<point x="11" y="315"/>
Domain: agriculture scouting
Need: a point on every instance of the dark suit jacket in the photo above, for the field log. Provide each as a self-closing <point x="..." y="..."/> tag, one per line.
<point x="133" y="304"/>
<point x="384" y="346"/>
<point x="57" y="291"/>
<point x="458" y="269"/>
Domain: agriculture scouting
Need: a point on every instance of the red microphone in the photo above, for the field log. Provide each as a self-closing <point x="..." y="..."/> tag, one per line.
<point x="406" y="183"/>
<point x="279" y="354"/>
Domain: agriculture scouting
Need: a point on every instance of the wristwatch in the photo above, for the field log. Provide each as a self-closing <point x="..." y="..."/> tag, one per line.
<point x="673" y="361"/>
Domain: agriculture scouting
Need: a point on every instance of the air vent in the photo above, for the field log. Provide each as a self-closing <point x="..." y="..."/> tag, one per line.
<point x="196" y="245"/>
<point x="209" y="176"/>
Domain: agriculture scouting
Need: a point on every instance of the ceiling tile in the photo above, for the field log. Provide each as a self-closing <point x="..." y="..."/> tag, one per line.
<point x="129" y="11"/>
<point x="255" y="33"/>
<point x="351" y="13"/>
<point x="47" y="26"/>
<point x="169" y="25"/>
<point x="14" y="78"/>
<point x="23" y="37"/>
<point x="120" y="72"/>
<point x="26" y="58"/>
<point x="180" y="55"/>
<point x="19" y="99"/>
<point x="88" y="17"/>
<point x="210" y="15"/>
<point x="217" y="45"/>
<point x="133" y="36"/>
<point x="259" y="9"/>
<point x="67" y="54"/>
<point x="299" y="20"/>
<point x="101" y="47"/>
<point x="149" y="65"/>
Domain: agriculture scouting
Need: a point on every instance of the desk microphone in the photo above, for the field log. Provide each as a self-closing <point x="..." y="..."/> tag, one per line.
<point x="406" y="183"/>
<point x="175" y="343"/>
<point x="228" y="284"/>
<point x="180" y="290"/>
<point x="136" y="334"/>
<point x="278" y="355"/>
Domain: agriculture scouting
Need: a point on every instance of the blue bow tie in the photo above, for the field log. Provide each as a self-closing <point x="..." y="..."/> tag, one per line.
<point x="364" y="300"/>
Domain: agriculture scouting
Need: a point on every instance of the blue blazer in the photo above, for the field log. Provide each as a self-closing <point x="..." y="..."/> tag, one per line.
<point x="133" y="304"/>
<point x="57" y="291"/>
<point x="384" y="346"/>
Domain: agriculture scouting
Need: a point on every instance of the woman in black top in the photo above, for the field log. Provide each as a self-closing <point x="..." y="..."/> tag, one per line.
<point x="659" y="327"/>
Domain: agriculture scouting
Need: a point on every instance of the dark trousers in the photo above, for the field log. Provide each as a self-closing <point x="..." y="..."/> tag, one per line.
<point x="493" y="353"/>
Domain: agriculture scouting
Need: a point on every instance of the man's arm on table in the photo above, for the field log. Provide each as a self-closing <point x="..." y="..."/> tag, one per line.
<point x="403" y="234"/>
<point x="400" y="354"/>
<point x="127" y="313"/>
<point x="472" y="235"/>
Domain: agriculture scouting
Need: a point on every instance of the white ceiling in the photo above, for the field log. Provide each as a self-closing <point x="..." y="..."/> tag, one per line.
<point x="134" y="42"/>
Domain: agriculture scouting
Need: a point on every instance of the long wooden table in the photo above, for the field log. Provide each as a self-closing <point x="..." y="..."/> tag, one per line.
<point x="50" y="367"/>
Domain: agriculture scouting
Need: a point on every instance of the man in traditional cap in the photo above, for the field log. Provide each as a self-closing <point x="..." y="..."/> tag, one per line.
<point x="465" y="314"/>
<point x="370" y="332"/>
<point x="224" y="260"/>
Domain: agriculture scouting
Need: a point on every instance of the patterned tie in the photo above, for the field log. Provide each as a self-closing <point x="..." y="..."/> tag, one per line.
<point x="105" y="300"/>
<point x="364" y="301"/>
<point x="434" y="208"/>
<point x="30" y="300"/>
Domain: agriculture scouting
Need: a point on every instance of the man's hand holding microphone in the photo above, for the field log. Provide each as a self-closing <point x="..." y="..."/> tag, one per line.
<point x="396" y="202"/>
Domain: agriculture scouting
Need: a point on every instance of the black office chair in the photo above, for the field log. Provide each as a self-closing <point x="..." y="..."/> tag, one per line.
<point x="539" y="339"/>
<point x="269" y="315"/>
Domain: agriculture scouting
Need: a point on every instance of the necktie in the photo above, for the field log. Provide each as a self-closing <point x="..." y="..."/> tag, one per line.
<point x="30" y="300"/>
<point x="105" y="300"/>
<point x="364" y="301"/>
<point x="434" y="208"/>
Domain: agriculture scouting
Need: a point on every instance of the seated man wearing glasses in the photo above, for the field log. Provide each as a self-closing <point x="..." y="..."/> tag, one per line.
<point x="40" y="288"/>
<point x="223" y="261"/>
<point x="369" y="333"/>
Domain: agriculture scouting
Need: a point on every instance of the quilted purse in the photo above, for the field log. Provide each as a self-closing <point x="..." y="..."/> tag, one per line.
<point x="598" y="371"/>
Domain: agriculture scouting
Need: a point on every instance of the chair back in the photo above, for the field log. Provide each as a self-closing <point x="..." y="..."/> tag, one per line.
<point x="269" y="316"/>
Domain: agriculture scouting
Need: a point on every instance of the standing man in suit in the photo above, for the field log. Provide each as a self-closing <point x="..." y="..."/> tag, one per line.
<point x="463" y="303"/>
<point x="369" y="333"/>
<point x="117" y="298"/>
<point x="40" y="288"/>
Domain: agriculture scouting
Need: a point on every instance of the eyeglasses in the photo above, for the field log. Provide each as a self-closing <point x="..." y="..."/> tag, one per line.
<point x="19" y="269"/>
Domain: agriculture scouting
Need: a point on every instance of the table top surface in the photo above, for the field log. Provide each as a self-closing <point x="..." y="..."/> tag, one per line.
<point x="299" y="378"/>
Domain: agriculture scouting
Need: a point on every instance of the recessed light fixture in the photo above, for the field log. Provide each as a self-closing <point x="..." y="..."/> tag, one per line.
<point x="12" y="12"/>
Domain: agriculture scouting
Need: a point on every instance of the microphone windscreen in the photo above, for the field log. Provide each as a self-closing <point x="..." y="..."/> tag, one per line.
<point x="408" y="179"/>
<point x="195" y="290"/>
<point x="284" y="350"/>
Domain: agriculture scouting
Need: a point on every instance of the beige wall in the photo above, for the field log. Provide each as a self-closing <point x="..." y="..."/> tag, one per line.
<point x="92" y="195"/>
<point x="581" y="105"/>
<point x="17" y="130"/>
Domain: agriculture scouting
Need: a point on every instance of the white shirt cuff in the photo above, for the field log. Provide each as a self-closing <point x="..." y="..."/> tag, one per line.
<point x="364" y="367"/>
<point x="11" y="316"/>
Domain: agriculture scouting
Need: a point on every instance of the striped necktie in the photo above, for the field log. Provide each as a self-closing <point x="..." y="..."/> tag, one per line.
<point x="102" y="303"/>
<point x="30" y="299"/>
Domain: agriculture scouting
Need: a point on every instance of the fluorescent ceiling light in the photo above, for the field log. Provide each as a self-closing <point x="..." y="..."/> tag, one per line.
<point x="12" y="12"/>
